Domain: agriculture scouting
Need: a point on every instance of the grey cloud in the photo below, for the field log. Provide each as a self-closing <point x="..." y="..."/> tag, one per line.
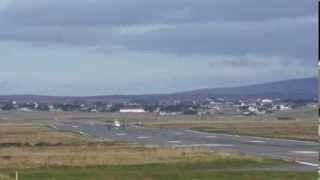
<point x="284" y="28"/>
<point x="129" y="12"/>
<point x="283" y="38"/>
<point x="287" y="37"/>
<point x="254" y="61"/>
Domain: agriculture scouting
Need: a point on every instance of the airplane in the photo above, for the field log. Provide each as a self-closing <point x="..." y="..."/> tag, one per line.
<point x="116" y="125"/>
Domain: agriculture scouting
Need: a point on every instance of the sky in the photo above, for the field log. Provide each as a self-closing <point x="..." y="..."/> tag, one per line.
<point x="102" y="47"/>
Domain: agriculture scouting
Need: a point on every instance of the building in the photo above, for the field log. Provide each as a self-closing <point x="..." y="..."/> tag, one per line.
<point x="132" y="110"/>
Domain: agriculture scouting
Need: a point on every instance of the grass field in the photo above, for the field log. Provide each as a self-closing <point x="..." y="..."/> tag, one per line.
<point x="297" y="130"/>
<point x="28" y="146"/>
<point x="20" y="134"/>
<point x="217" y="170"/>
<point x="299" y="124"/>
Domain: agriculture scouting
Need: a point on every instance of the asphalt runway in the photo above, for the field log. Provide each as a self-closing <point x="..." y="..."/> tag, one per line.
<point x="305" y="153"/>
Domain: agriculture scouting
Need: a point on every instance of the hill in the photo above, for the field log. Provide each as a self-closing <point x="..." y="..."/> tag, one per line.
<point x="292" y="89"/>
<point x="305" y="88"/>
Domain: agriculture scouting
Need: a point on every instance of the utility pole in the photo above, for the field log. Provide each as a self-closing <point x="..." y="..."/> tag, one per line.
<point x="17" y="176"/>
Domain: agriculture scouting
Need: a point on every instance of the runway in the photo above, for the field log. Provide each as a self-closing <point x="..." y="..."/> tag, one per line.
<point x="305" y="153"/>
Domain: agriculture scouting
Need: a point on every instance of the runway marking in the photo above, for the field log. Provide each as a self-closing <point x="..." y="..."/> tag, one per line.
<point x="304" y="152"/>
<point x="205" y="145"/>
<point x="176" y="142"/>
<point x="255" y="141"/>
<point x="263" y="138"/>
<point x="308" y="164"/>
<point x="83" y="133"/>
<point x="143" y="137"/>
<point x="52" y="126"/>
<point x="230" y="135"/>
<point x="120" y="134"/>
<point x="211" y="136"/>
<point x="75" y="126"/>
<point x="196" y="132"/>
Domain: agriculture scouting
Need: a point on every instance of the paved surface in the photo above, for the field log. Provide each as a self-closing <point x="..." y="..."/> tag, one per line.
<point x="305" y="153"/>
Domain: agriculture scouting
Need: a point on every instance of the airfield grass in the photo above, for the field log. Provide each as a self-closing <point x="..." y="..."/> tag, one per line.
<point x="301" y="124"/>
<point x="20" y="134"/>
<point x="297" y="130"/>
<point x="27" y="146"/>
<point x="297" y="125"/>
<point x="179" y="171"/>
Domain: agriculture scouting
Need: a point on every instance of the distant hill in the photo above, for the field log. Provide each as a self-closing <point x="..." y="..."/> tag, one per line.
<point x="306" y="88"/>
<point x="293" y="89"/>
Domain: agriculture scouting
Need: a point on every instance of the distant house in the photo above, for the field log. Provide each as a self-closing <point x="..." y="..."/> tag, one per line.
<point x="253" y="109"/>
<point x="267" y="101"/>
<point x="132" y="110"/>
<point x="163" y="113"/>
<point x="284" y="107"/>
<point x="24" y="109"/>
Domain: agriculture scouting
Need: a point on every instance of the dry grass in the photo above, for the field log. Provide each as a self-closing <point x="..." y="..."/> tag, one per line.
<point x="290" y="130"/>
<point x="103" y="154"/>
<point x="277" y="129"/>
<point x="5" y="177"/>
<point x="29" y="146"/>
<point x="300" y="124"/>
<point x="26" y="133"/>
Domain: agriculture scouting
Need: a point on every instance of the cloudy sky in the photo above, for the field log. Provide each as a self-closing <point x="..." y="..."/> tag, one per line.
<point x="94" y="47"/>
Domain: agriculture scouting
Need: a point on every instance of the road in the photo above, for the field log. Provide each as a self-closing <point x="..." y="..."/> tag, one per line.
<point x="305" y="153"/>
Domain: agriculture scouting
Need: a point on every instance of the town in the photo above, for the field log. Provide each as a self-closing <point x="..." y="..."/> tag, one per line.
<point x="208" y="106"/>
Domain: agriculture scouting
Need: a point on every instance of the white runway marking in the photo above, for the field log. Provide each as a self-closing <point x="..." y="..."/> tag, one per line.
<point x="256" y="141"/>
<point x="74" y="126"/>
<point x="304" y="152"/>
<point x="83" y="133"/>
<point x="308" y="164"/>
<point x="176" y="142"/>
<point x="53" y="126"/>
<point x="196" y="132"/>
<point x="143" y="137"/>
<point x="211" y="136"/>
<point x="205" y="145"/>
<point x="121" y="134"/>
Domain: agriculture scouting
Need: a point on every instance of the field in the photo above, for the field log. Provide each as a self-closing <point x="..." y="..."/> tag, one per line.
<point x="38" y="152"/>
<point x="299" y="124"/>
<point x="180" y="171"/>
<point x="24" y="146"/>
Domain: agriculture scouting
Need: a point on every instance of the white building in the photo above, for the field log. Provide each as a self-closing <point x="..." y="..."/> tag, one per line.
<point x="24" y="109"/>
<point x="267" y="101"/>
<point x="283" y="107"/>
<point x="136" y="110"/>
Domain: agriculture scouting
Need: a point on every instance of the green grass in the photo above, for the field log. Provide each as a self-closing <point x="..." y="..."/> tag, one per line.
<point x="223" y="170"/>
